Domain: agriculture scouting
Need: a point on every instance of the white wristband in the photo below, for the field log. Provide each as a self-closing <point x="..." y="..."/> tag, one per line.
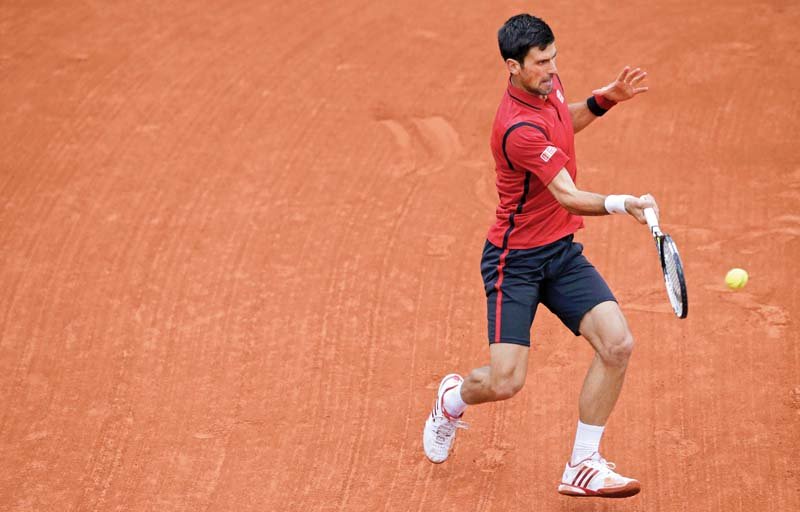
<point x="616" y="203"/>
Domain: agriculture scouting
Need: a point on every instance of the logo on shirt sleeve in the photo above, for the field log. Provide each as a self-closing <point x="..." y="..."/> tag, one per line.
<point x="560" y="96"/>
<point x="548" y="153"/>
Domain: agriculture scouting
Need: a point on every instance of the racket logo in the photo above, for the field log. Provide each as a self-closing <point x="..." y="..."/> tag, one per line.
<point x="548" y="153"/>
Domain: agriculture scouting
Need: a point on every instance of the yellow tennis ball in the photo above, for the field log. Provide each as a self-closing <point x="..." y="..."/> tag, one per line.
<point x="736" y="278"/>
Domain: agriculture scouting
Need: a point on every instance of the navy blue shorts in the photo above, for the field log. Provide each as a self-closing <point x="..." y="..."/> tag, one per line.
<point x="557" y="274"/>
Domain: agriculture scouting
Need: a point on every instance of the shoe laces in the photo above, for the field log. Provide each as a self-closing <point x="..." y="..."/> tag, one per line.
<point x="601" y="463"/>
<point x="446" y="429"/>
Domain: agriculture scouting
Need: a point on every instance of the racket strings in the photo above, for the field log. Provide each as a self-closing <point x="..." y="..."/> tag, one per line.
<point x="673" y="275"/>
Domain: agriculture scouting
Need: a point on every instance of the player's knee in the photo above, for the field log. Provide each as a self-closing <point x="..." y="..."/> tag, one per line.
<point x="507" y="385"/>
<point x="618" y="350"/>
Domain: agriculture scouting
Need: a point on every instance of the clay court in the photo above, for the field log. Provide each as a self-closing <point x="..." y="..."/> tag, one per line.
<point x="241" y="243"/>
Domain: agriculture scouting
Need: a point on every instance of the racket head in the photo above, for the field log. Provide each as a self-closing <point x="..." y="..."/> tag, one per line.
<point x="674" y="278"/>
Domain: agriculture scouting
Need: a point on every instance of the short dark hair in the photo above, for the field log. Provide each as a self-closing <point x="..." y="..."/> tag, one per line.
<point x="522" y="32"/>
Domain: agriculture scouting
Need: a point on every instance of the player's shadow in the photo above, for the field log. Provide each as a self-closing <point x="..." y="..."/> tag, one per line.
<point x="578" y="504"/>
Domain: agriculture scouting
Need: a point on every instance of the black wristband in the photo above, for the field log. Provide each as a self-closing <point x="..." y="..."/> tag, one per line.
<point x="594" y="108"/>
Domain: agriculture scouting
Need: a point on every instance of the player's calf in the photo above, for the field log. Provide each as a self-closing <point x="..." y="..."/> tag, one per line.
<point x="506" y="385"/>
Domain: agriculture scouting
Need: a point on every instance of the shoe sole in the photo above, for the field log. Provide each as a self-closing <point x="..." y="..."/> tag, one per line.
<point x="626" y="491"/>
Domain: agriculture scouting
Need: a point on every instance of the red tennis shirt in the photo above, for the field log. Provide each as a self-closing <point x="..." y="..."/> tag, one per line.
<point x="532" y="140"/>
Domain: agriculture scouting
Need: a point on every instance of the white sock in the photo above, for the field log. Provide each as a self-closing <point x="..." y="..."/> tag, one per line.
<point x="587" y="441"/>
<point x="453" y="403"/>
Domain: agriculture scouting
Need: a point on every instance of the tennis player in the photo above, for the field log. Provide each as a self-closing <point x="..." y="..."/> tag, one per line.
<point x="530" y="256"/>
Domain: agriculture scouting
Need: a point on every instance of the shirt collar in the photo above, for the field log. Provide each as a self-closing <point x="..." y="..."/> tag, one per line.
<point x="524" y="97"/>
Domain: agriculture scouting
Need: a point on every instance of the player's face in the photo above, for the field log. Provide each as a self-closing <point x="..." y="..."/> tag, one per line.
<point x="537" y="71"/>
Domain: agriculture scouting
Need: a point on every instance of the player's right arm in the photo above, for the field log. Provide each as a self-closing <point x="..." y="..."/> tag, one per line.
<point x="581" y="202"/>
<point x="526" y="146"/>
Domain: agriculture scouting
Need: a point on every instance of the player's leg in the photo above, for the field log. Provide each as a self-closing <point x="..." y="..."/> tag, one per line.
<point x="511" y="281"/>
<point x="511" y="284"/>
<point x="577" y="293"/>
<point x="607" y="331"/>
<point x="588" y="473"/>
<point x="502" y="379"/>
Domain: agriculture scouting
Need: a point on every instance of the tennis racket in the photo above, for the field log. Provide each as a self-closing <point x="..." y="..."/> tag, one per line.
<point x="671" y="265"/>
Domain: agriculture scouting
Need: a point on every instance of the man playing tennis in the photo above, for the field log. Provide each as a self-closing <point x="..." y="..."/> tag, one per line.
<point x="530" y="257"/>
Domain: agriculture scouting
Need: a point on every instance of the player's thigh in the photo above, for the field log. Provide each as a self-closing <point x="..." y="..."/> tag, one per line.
<point x="573" y="288"/>
<point x="605" y="327"/>
<point x="509" y="362"/>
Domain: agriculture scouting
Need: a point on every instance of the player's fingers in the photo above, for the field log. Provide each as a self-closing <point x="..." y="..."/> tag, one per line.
<point x="638" y="77"/>
<point x="647" y="201"/>
<point x="623" y="74"/>
<point x="651" y="203"/>
<point x="635" y="72"/>
<point x="639" y="90"/>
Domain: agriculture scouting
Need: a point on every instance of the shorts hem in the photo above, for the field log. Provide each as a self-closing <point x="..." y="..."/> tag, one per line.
<point x="576" y="331"/>
<point x="514" y="341"/>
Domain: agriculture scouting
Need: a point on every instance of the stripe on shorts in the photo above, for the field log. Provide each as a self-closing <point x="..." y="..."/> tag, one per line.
<point x="498" y="309"/>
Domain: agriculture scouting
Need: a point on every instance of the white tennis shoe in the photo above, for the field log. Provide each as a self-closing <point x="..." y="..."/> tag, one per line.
<point x="596" y="477"/>
<point x="440" y="427"/>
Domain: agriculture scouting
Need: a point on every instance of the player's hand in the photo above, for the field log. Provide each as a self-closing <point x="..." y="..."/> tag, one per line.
<point x="635" y="207"/>
<point x="625" y="87"/>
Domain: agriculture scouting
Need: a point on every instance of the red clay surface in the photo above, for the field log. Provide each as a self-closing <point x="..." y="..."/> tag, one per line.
<point x="240" y="246"/>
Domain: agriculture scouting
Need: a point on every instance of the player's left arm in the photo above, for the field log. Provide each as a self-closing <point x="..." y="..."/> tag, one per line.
<point x="626" y="86"/>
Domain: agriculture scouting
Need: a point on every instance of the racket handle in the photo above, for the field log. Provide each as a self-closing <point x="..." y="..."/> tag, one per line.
<point x="652" y="219"/>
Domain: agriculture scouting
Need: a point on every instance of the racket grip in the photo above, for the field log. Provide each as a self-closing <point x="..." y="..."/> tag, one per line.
<point x="652" y="219"/>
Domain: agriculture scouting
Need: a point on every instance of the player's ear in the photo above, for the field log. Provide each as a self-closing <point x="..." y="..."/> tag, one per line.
<point x="513" y="66"/>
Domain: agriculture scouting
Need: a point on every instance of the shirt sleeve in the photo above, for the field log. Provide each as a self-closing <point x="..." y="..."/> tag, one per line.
<point x="527" y="148"/>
